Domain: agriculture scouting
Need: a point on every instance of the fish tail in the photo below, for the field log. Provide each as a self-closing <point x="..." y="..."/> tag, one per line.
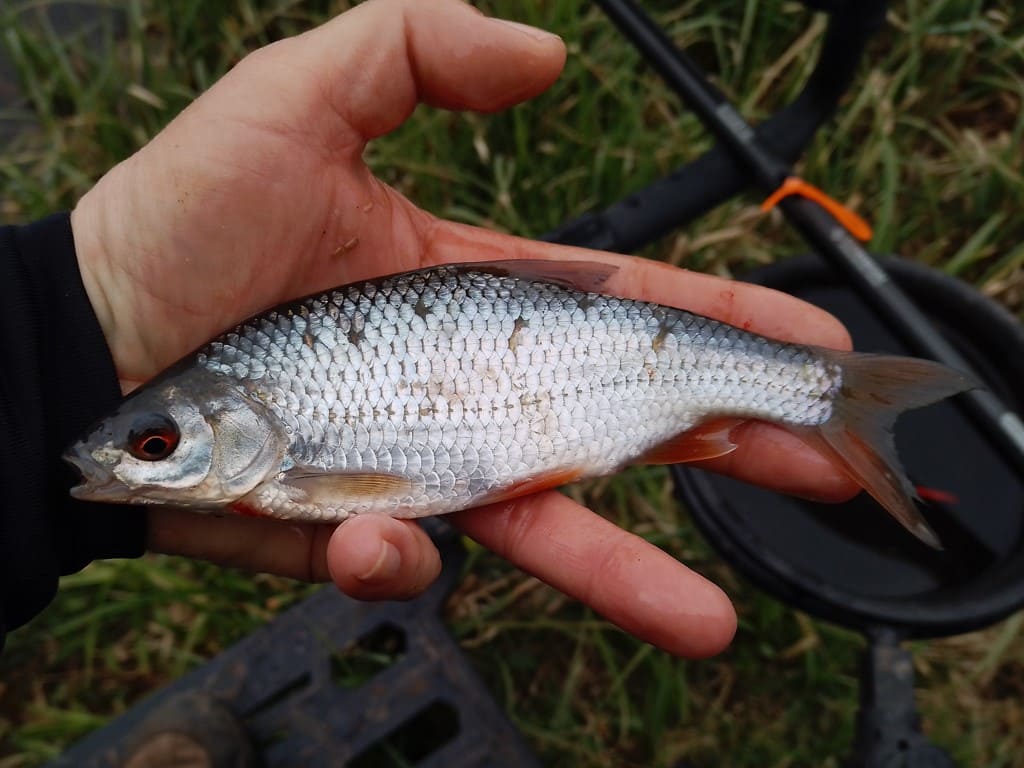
<point x="875" y="390"/>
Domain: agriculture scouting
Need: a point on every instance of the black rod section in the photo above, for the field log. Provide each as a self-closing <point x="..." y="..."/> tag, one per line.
<point x="888" y="731"/>
<point x="818" y="227"/>
<point x="687" y="80"/>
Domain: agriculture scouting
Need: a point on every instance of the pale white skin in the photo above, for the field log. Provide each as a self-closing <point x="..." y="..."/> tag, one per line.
<point x="301" y="112"/>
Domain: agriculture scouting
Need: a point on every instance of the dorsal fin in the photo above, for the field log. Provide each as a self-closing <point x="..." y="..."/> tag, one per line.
<point x="577" y="275"/>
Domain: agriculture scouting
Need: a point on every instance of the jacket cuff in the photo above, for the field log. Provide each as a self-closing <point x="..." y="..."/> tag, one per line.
<point x="60" y="379"/>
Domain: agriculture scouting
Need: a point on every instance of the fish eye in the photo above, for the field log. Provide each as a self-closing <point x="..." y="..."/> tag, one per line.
<point x="153" y="437"/>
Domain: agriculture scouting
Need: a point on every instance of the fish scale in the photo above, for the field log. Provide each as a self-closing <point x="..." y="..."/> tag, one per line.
<point x="436" y="375"/>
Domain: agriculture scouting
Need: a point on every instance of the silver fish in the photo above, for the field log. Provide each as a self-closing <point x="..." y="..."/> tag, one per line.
<point x="449" y="387"/>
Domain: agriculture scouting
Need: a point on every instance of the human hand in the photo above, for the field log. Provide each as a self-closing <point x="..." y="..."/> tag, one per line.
<point x="257" y="194"/>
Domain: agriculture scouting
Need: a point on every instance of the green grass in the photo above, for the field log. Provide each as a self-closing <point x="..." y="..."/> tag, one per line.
<point x="928" y="146"/>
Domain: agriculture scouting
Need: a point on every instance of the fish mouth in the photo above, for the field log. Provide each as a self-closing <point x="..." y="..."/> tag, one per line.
<point x="97" y="484"/>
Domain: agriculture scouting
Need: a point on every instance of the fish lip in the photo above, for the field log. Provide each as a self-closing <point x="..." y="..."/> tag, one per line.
<point x="97" y="484"/>
<point x="88" y="491"/>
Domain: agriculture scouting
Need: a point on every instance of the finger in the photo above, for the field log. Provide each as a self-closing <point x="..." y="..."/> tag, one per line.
<point x="634" y="584"/>
<point x="298" y="551"/>
<point x="373" y="557"/>
<point x="375" y="62"/>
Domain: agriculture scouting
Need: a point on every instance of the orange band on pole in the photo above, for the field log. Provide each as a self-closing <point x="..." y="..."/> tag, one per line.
<point x="794" y="185"/>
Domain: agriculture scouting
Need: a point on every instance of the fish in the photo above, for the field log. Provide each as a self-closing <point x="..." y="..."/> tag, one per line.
<point x="455" y="386"/>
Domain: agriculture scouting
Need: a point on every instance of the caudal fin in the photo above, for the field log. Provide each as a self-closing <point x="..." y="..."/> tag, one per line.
<point x="875" y="390"/>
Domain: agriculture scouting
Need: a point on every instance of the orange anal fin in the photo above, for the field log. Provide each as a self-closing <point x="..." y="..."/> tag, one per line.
<point x="794" y="185"/>
<point x="542" y="482"/>
<point x="705" y="441"/>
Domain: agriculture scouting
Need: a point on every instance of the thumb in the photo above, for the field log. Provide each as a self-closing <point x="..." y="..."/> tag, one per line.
<point x="373" y="64"/>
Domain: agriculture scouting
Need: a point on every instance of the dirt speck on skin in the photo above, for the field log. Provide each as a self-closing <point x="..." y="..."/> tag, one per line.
<point x="345" y="247"/>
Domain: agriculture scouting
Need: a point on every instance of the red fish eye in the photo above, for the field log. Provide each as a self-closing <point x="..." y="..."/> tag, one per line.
<point x="153" y="437"/>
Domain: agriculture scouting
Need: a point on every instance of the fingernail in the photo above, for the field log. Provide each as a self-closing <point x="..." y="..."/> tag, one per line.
<point x="532" y="32"/>
<point x="386" y="566"/>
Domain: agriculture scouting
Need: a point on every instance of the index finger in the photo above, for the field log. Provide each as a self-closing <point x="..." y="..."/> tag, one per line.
<point x="750" y="307"/>
<point x="631" y="582"/>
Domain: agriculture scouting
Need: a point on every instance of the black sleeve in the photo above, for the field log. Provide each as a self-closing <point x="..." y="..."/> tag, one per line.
<point x="56" y="377"/>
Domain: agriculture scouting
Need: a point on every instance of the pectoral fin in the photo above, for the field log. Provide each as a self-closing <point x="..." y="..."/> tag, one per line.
<point x="337" y="487"/>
